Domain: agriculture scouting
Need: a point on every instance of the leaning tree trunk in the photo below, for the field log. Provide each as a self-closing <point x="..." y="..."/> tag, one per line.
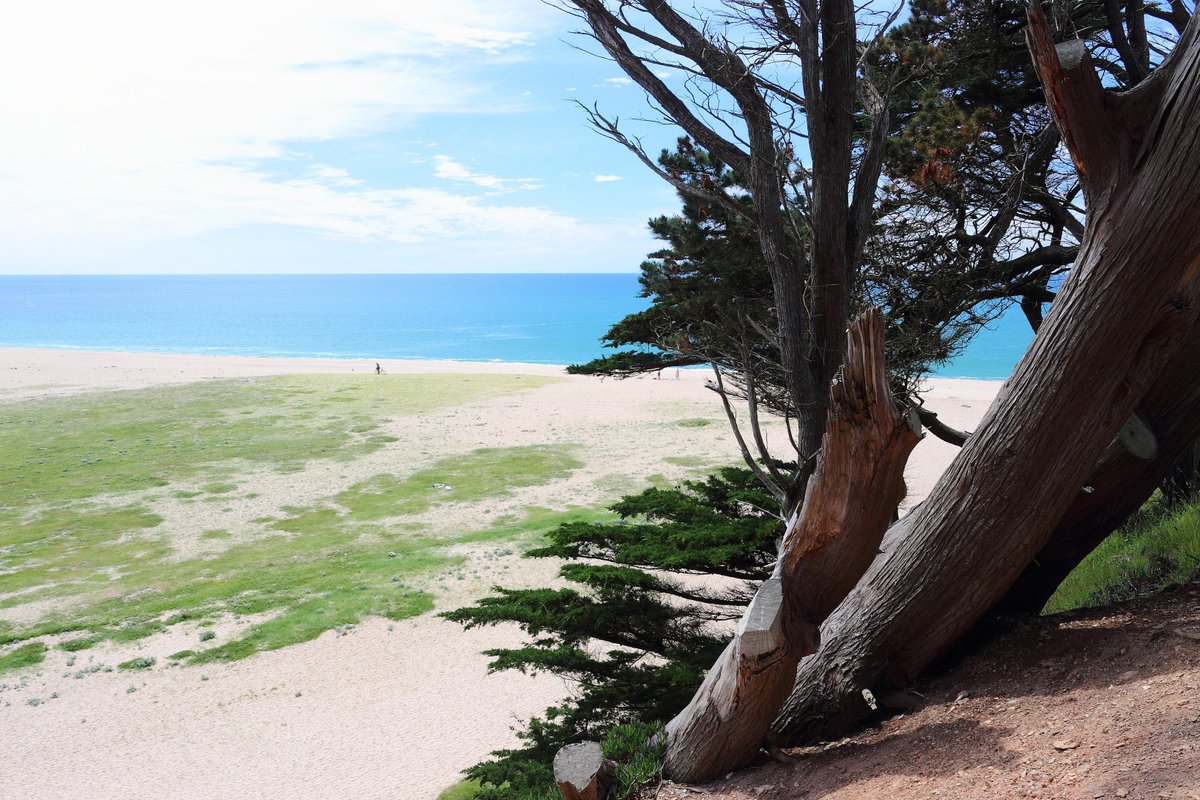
<point x="1131" y="298"/>
<point x="1120" y="483"/>
<point x="850" y="499"/>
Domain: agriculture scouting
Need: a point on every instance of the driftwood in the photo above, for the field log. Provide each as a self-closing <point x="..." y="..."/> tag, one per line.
<point x="582" y="772"/>
<point x="850" y="499"/>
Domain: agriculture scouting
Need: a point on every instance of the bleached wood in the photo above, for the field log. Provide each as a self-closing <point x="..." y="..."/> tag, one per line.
<point x="582" y="772"/>
<point x="760" y="630"/>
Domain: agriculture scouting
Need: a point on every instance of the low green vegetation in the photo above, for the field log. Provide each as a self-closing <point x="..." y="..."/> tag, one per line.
<point x="629" y="629"/>
<point x="84" y="475"/>
<point x="637" y="749"/>
<point x="694" y="422"/>
<point x="24" y="656"/>
<point x="463" y="790"/>
<point x="138" y="663"/>
<point x="1157" y="548"/>
<point x="488" y="472"/>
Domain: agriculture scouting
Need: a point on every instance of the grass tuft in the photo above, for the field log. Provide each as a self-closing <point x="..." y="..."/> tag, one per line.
<point x="1156" y="549"/>
<point x="24" y="656"/>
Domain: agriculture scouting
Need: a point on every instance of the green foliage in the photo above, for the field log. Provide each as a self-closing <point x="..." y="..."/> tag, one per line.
<point x="24" y="656"/>
<point x="487" y="472"/>
<point x="463" y="790"/>
<point x="141" y="662"/>
<point x="80" y="643"/>
<point x="1159" y="547"/>
<point x="708" y="286"/>
<point x="635" y="629"/>
<point x="78" y="525"/>
<point x="638" y="749"/>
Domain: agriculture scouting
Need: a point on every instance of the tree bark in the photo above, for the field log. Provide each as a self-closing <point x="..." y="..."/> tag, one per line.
<point x="1120" y="317"/>
<point x="1120" y="483"/>
<point x="850" y="500"/>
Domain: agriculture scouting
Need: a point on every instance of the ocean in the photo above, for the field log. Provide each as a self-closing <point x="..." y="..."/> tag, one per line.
<point x="540" y="319"/>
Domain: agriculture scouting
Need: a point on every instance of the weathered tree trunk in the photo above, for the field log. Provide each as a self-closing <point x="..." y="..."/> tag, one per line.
<point x="1120" y="317"/>
<point x="1121" y="482"/>
<point x="850" y="500"/>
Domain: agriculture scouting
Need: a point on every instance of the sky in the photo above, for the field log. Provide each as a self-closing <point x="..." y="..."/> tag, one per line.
<point x="262" y="136"/>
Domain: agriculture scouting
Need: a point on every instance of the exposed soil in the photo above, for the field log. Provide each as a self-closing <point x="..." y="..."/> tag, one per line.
<point x="1096" y="704"/>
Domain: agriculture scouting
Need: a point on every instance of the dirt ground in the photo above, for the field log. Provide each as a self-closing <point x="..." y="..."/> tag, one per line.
<point x="1095" y="704"/>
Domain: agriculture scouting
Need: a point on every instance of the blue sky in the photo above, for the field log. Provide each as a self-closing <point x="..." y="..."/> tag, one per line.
<point x="357" y="136"/>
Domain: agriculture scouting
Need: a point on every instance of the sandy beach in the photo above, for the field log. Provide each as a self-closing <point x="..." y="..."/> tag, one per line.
<point x="384" y="709"/>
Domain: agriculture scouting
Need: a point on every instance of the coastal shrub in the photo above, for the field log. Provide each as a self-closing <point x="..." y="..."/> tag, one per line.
<point x="637" y="749"/>
<point x="651" y="600"/>
<point x="1157" y="548"/>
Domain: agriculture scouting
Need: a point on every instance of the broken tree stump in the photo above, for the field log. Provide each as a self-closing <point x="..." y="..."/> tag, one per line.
<point x="582" y="772"/>
<point x="848" y="504"/>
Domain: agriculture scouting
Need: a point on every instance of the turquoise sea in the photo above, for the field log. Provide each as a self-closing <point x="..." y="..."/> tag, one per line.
<point x="541" y="319"/>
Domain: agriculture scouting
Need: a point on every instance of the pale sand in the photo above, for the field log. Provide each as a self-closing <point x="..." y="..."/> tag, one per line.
<point x="389" y="710"/>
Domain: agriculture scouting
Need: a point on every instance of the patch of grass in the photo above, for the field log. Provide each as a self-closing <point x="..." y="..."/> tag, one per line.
<point x="463" y="790"/>
<point x="81" y="474"/>
<point x="694" y="422"/>
<point x="535" y="522"/>
<point x="102" y="443"/>
<point x="488" y="472"/>
<point x="80" y="643"/>
<point x="62" y="551"/>
<point x="142" y="662"/>
<point x="687" y="461"/>
<point x="1156" y="549"/>
<point x="182" y="654"/>
<point x="24" y="656"/>
<point x="308" y="620"/>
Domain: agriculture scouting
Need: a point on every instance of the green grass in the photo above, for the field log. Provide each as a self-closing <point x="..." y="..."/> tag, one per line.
<point x="24" y="656"/>
<point x="1158" y="548"/>
<point x="489" y="472"/>
<point x="463" y="790"/>
<point x="84" y="446"/>
<point x="83" y="474"/>
<point x="80" y="643"/>
<point x="687" y="461"/>
<point x="138" y="663"/>
<point x="694" y="422"/>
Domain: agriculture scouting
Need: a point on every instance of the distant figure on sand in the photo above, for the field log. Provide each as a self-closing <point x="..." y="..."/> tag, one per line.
<point x="378" y="371"/>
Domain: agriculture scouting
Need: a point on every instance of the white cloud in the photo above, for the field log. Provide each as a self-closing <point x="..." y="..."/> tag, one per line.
<point x="606" y="178"/>
<point x="142" y="120"/>
<point x="449" y="169"/>
<point x="618" y="82"/>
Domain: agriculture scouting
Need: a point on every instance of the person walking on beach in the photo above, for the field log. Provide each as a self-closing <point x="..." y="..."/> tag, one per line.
<point x="378" y="370"/>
